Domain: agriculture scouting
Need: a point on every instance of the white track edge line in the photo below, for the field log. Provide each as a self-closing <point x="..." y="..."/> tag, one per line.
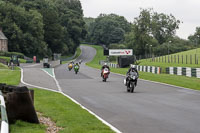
<point x="22" y="76"/>
<point x="60" y="91"/>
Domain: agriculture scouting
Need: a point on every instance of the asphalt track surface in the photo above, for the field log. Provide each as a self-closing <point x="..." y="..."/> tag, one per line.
<point x="153" y="108"/>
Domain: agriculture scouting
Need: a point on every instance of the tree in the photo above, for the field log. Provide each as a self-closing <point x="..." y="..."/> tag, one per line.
<point x="150" y="29"/>
<point x="108" y="29"/>
<point x="37" y="26"/>
<point x="23" y="28"/>
<point x="195" y="38"/>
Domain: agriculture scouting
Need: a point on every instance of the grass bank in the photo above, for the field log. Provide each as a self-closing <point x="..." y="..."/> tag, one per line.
<point x="183" y="81"/>
<point x="181" y="59"/>
<point x="2" y="66"/>
<point x="78" y="53"/>
<point x="10" y="77"/>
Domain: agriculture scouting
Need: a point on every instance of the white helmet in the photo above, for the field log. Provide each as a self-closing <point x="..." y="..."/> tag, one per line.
<point x="133" y="66"/>
<point x="105" y="64"/>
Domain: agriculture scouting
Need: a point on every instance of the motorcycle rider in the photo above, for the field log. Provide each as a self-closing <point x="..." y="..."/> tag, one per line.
<point x="70" y="65"/>
<point x="103" y="67"/>
<point x="77" y="65"/>
<point x="132" y="69"/>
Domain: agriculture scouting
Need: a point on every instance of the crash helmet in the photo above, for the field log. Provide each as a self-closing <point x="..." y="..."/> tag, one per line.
<point x="105" y="64"/>
<point x="133" y="68"/>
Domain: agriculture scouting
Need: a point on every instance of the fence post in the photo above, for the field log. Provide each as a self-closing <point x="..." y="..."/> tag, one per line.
<point x="168" y="58"/>
<point x="159" y="58"/>
<point x="186" y="59"/>
<point x="178" y="58"/>
<point x="190" y="59"/>
<point x="171" y="59"/>
<point x="165" y="59"/>
<point x="195" y="58"/>
<point x="182" y="59"/>
<point x="175" y="58"/>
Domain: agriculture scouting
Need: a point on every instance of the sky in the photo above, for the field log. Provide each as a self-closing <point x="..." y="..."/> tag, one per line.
<point x="187" y="11"/>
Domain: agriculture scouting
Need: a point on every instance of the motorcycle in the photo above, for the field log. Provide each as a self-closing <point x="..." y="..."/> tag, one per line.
<point x="76" y="68"/>
<point x="131" y="81"/>
<point x="105" y="74"/>
<point x="70" y="66"/>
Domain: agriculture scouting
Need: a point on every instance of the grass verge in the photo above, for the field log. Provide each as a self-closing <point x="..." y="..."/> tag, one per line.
<point x="78" y="53"/>
<point x="2" y="66"/>
<point x="10" y="77"/>
<point x="183" y="81"/>
<point x="8" y="59"/>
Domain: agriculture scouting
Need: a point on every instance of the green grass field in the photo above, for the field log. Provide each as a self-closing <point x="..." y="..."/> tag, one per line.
<point x="173" y="60"/>
<point x="183" y="81"/>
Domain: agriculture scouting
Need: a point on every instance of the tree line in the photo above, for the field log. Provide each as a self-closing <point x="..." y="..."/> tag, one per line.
<point x="150" y="33"/>
<point x="42" y="27"/>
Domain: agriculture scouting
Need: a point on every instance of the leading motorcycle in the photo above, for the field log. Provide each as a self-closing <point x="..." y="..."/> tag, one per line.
<point x="130" y="81"/>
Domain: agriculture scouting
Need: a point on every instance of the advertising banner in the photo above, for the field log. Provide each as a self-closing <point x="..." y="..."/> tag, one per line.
<point x="120" y="52"/>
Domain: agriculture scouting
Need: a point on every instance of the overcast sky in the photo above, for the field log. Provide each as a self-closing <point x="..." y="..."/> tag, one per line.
<point x="188" y="11"/>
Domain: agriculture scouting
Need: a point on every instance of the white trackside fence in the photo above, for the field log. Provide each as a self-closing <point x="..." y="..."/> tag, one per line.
<point x="4" y="119"/>
<point x="186" y="71"/>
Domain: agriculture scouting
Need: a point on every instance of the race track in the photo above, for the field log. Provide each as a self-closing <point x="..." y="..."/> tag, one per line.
<point x="153" y="108"/>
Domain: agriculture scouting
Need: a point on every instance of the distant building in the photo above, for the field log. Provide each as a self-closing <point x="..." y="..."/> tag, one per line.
<point x="3" y="42"/>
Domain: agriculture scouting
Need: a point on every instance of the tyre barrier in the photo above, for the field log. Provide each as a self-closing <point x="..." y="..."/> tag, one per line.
<point x="185" y="71"/>
<point x="4" y="118"/>
<point x="18" y="105"/>
<point x="151" y="69"/>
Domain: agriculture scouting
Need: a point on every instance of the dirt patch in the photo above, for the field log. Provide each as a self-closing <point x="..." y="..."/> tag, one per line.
<point x="51" y="126"/>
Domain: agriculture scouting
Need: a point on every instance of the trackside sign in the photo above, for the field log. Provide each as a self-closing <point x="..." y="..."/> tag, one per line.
<point x="120" y="52"/>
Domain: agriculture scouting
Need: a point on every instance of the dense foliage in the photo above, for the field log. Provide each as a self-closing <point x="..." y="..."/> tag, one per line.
<point x="151" y="29"/>
<point x="107" y="29"/>
<point x="42" y="27"/>
<point x="195" y="38"/>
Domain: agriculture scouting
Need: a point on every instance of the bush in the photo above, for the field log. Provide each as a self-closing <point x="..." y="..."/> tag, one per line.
<point x="9" y="54"/>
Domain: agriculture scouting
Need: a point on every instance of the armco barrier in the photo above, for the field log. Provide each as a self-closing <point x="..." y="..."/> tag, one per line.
<point x="4" y="118"/>
<point x="151" y="69"/>
<point x="185" y="71"/>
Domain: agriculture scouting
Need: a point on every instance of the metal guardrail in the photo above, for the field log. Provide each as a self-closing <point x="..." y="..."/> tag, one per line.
<point x="4" y="118"/>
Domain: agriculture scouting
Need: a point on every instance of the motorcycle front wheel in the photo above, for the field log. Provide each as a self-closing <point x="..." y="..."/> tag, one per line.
<point x="132" y="87"/>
